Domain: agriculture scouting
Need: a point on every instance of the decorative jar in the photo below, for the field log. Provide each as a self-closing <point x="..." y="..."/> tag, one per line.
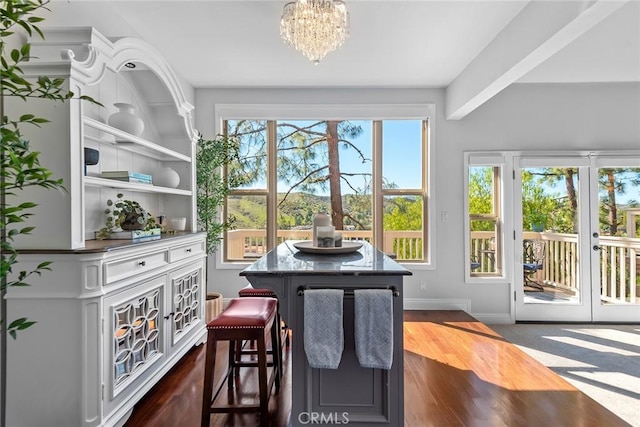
<point x="177" y="224"/>
<point x="321" y="219"/>
<point x="126" y="119"/>
<point x="325" y="235"/>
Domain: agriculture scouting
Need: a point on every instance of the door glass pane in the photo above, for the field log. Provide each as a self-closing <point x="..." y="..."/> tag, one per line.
<point x="550" y="240"/>
<point x="619" y="225"/>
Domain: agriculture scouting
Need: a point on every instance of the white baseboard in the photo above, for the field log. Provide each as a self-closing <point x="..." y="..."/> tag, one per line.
<point x="437" y="304"/>
<point x="457" y="304"/>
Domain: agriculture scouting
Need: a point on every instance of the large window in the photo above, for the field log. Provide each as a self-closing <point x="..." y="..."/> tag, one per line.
<point x="369" y="175"/>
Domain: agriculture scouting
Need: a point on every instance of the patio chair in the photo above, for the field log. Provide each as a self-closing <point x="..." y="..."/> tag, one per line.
<point x="474" y="263"/>
<point x="532" y="259"/>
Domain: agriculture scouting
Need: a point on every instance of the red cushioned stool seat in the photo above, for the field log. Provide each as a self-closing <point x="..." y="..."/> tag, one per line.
<point x="246" y="318"/>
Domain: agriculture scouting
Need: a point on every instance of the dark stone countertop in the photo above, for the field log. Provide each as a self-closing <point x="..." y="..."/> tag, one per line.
<point x="285" y="259"/>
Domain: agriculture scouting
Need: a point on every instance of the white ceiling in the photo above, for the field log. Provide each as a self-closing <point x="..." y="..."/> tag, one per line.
<point x="393" y="43"/>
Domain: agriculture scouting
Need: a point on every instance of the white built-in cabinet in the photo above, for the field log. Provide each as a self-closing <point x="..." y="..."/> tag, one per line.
<point x="115" y="315"/>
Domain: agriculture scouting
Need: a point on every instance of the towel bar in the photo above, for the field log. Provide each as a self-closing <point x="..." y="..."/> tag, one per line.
<point x="348" y="291"/>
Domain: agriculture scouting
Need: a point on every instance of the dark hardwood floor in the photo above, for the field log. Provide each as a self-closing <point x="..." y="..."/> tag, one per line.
<point x="457" y="372"/>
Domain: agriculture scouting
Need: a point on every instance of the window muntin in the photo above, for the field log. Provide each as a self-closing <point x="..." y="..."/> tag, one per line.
<point x="304" y="186"/>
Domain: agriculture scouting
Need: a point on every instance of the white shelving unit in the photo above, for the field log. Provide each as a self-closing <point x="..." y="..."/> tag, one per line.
<point x="113" y="316"/>
<point x="102" y="69"/>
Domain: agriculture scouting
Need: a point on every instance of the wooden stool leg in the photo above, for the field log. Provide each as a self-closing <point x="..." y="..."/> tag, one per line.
<point x="238" y="344"/>
<point x="263" y="379"/>
<point x="209" y="369"/>
<point x="276" y="349"/>
<point x="232" y="363"/>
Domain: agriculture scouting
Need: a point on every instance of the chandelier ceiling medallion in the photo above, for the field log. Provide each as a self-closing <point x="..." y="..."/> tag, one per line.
<point x="315" y="27"/>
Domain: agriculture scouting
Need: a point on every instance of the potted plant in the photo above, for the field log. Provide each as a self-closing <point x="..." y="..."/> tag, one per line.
<point x="538" y="221"/>
<point x="212" y="156"/>
<point x="126" y="215"/>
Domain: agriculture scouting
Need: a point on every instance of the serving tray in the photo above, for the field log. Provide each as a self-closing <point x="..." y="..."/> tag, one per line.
<point x="346" y="248"/>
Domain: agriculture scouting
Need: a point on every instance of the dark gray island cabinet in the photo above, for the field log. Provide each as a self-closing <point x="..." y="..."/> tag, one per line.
<point x="350" y="394"/>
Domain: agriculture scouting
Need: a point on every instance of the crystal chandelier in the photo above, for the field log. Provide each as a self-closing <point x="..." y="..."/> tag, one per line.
<point x="315" y="27"/>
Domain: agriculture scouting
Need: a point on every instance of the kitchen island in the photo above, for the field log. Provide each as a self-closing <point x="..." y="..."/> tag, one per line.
<point x="350" y="394"/>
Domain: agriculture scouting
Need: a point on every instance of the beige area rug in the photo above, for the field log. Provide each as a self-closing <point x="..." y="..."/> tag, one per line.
<point x="601" y="360"/>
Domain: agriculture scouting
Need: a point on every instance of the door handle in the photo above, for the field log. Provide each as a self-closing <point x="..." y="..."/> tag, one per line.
<point x="597" y="248"/>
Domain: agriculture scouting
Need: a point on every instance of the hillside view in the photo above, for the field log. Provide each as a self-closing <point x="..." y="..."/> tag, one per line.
<point x="297" y="211"/>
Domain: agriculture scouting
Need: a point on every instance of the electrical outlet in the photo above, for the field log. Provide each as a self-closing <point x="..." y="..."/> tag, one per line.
<point x="423" y="286"/>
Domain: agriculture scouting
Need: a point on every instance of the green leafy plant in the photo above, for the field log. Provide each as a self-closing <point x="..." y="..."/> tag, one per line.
<point x="19" y="165"/>
<point x="211" y="157"/>
<point x="126" y="215"/>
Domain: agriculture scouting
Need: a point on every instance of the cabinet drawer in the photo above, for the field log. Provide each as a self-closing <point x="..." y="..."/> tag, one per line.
<point x="185" y="251"/>
<point x="128" y="267"/>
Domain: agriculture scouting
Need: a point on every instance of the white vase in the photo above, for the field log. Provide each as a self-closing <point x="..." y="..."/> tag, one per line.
<point x="166" y="177"/>
<point x="126" y="119"/>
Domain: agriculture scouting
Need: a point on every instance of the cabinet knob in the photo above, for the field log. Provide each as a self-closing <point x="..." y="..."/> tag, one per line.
<point x="142" y="263"/>
<point x="189" y="250"/>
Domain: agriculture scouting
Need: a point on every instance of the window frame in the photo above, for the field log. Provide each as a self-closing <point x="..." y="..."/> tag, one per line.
<point x="500" y="187"/>
<point x="425" y="112"/>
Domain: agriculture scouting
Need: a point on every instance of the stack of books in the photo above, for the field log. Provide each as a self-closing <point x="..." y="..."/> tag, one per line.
<point x="142" y="178"/>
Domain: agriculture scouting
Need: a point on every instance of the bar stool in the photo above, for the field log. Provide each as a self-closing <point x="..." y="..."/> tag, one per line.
<point x="244" y="319"/>
<point x="284" y="329"/>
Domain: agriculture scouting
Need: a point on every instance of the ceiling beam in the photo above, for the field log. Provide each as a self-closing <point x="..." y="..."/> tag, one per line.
<point x="539" y="31"/>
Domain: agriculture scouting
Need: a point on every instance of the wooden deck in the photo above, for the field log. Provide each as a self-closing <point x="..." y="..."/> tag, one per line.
<point x="458" y="372"/>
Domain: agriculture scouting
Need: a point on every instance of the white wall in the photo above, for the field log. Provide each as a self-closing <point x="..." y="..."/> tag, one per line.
<point x="545" y="117"/>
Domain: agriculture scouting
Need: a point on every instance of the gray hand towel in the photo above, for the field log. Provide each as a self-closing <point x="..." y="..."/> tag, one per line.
<point x="323" y="331"/>
<point x="374" y="327"/>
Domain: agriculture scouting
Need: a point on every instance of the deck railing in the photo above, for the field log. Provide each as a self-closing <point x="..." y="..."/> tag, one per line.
<point x="619" y="260"/>
<point x="620" y="269"/>
<point x="252" y="243"/>
<point x="619" y="265"/>
<point x="483" y="253"/>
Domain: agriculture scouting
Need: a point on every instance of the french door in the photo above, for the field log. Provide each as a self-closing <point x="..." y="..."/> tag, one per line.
<point x="577" y="249"/>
